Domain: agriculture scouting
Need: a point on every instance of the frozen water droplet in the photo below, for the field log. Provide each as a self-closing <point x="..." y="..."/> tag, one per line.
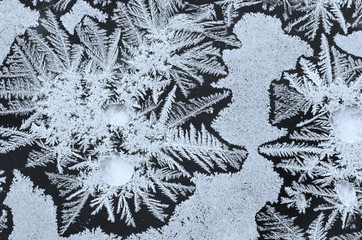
<point x="346" y="193"/>
<point x="116" y="170"/>
<point x="117" y="115"/>
<point x="347" y="124"/>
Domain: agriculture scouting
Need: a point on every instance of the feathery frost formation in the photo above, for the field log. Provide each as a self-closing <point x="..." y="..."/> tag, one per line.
<point x="93" y="107"/>
<point x="322" y="100"/>
<point x="308" y="18"/>
<point x="115" y="116"/>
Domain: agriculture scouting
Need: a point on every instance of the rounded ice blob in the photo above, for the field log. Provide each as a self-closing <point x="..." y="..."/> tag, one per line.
<point x="117" y="114"/>
<point x="346" y="193"/>
<point x="115" y="169"/>
<point x="347" y="124"/>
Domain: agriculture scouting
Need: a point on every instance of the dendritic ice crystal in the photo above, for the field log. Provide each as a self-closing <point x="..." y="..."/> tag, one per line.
<point x="321" y="104"/>
<point x="91" y="109"/>
<point x="305" y="17"/>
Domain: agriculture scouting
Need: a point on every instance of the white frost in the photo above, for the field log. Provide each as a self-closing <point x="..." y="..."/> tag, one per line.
<point x="265" y="53"/>
<point x="15" y="18"/>
<point x="75" y="15"/>
<point x="34" y="213"/>
<point x="347" y="124"/>
<point x="351" y="43"/>
<point x="116" y="170"/>
<point x="223" y="206"/>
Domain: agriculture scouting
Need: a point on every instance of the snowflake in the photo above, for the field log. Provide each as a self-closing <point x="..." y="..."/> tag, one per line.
<point x="92" y="108"/>
<point x="325" y="146"/>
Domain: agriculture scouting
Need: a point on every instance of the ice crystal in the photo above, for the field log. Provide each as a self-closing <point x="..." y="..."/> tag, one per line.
<point x="164" y="46"/>
<point x="324" y="146"/>
<point x="274" y="225"/>
<point x="91" y="107"/>
<point x="309" y="18"/>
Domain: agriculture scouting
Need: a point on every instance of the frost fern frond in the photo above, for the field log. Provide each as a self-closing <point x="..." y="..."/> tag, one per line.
<point x="182" y="112"/>
<point x="14" y="139"/>
<point x="348" y="236"/>
<point x="273" y="225"/>
<point x="288" y="149"/>
<point x="76" y="197"/>
<point x="203" y="149"/>
<point x="124" y="19"/>
<point x="316" y="230"/>
<point x="58" y="38"/>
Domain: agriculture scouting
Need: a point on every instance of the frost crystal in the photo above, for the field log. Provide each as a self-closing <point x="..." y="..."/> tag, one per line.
<point x="323" y="148"/>
<point x="91" y="108"/>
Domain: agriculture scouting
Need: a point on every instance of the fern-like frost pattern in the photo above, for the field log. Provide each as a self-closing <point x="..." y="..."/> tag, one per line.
<point x="92" y="108"/>
<point x="322" y="100"/>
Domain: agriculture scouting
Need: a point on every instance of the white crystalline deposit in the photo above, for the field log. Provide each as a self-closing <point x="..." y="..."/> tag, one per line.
<point x="265" y="53"/>
<point x="351" y="43"/>
<point x="222" y="207"/>
<point x="347" y="124"/>
<point x="115" y="169"/>
<point x="77" y="12"/>
<point x="15" y="18"/>
<point x="34" y="214"/>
